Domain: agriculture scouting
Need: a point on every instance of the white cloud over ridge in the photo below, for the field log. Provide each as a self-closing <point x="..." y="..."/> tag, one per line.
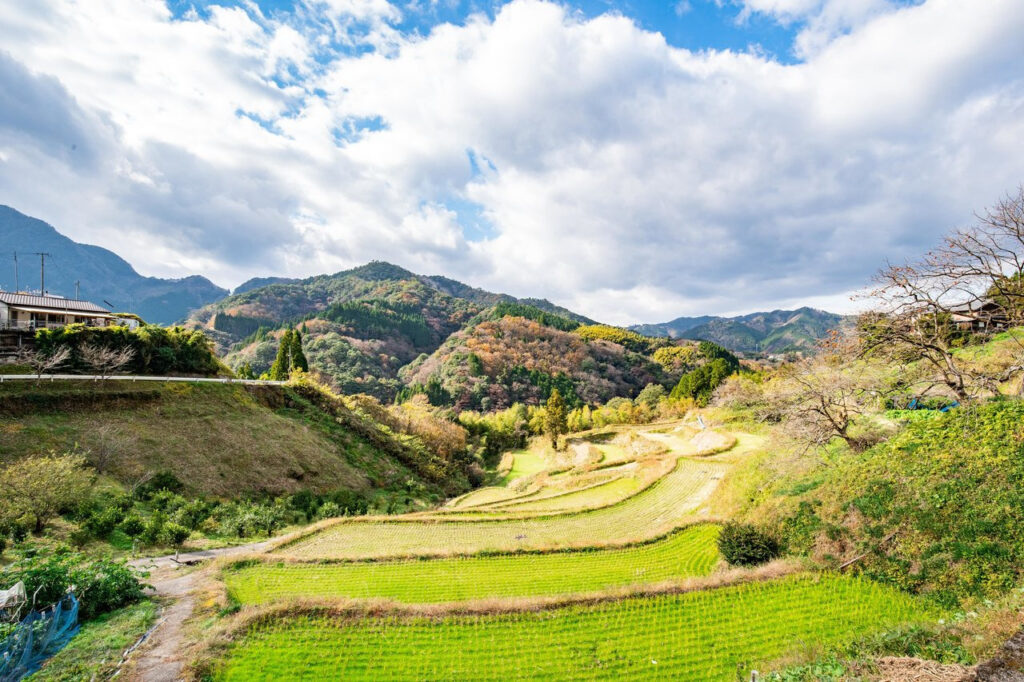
<point x="538" y="153"/>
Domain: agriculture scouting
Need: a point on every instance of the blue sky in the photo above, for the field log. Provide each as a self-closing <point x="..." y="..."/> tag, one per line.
<point x="690" y="24"/>
<point x="634" y="161"/>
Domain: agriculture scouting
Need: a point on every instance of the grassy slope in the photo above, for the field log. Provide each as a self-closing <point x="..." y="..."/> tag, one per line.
<point x="96" y="650"/>
<point x="690" y="552"/>
<point x="706" y="635"/>
<point x="218" y="439"/>
<point x="938" y="508"/>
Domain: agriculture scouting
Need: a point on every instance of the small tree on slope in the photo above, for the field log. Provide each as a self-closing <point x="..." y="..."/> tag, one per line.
<point x="555" y="423"/>
<point x="298" y="358"/>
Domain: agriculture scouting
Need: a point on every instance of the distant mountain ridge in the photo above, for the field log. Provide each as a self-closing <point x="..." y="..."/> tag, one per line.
<point x="777" y="331"/>
<point x="102" y="274"/>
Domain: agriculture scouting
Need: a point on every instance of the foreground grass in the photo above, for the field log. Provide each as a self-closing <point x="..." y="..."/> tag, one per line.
<point x="705" y="635"/>
<point x="689" y="553"/>
<point x="96" y="650"/>
<point x="658" y="509"/>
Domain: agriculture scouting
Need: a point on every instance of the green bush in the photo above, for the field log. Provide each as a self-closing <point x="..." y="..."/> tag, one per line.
<point x="174" y="535"/>
<point x="133" y="526"/>
<point x="744" y="545"/>
<point x="102" y="522"/>
<point x="101" y="586"/>
<point x="158" y="350"/>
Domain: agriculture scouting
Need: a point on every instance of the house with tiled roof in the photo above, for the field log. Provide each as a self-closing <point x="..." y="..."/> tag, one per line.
<point x="29" y="312"/>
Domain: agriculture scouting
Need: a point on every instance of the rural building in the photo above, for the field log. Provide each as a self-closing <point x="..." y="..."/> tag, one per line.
<point x="27" y="312"/>
<point x="979" y="316"/>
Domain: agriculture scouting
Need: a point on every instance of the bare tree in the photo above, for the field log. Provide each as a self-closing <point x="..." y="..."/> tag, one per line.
<point x="108" y="448"/>
<point x="823" y="397"/>
<point x="962" y="291"/>
<point x="42" y="363"/>
<point x="106" y="361"/>
<point x="990" y="257"/>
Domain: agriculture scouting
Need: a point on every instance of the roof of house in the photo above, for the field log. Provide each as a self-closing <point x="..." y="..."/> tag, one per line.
<point x="51" y="303"/>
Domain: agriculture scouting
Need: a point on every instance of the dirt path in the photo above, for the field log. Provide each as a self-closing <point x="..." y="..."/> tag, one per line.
<point x="160" y="658"/>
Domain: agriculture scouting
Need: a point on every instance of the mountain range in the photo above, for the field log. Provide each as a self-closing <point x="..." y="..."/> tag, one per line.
<point x="383" y="330"/>
<point x="102" y="276"/>
<point x="778" y="331"/>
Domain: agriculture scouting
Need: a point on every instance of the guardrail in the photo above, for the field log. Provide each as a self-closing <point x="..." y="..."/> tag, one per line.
<point x="134" y="378"/>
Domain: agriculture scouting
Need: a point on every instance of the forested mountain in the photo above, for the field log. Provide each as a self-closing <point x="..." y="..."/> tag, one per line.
<point x="102" y="274"/>
<point x="380" y="329"/>
<point x="777" y="331"/>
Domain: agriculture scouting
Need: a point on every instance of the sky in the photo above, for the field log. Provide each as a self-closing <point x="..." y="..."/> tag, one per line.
<point x="634" y="161"/>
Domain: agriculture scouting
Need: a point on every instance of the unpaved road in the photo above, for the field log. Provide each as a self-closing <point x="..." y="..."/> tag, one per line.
<point x="160" y="658"/>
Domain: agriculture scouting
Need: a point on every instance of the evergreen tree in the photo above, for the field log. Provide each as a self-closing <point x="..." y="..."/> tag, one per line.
<point x="555" y="423"/>
<point x="245" y="372"/>
<point x="282" y="366"/>
<point x="297" y="356"/>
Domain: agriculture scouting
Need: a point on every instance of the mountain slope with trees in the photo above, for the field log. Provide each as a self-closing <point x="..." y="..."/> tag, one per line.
<point x="360" y="327"/>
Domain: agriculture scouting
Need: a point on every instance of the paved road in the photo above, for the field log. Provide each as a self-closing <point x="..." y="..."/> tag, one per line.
<point x="133" y="378"/>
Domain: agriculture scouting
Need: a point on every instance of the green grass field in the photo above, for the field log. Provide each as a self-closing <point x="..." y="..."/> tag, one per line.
<point x="706" y="635"/>
<point x="687" y="553"/>
<point x="663" y="506"/>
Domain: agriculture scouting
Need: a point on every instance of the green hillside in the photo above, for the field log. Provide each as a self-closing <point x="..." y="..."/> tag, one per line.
<point x="221" y="440"/>
<point x="373" y="328"/>
<point x="937" y="509"/>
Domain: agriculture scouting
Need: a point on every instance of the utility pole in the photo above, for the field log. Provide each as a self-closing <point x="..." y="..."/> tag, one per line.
<point x="42" y="272"/>
<point x="17" y="287"/>
<point x="77" y="283"/>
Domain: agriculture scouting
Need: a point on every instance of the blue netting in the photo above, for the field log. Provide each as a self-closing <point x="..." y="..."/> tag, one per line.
<point x="40" y="635"/>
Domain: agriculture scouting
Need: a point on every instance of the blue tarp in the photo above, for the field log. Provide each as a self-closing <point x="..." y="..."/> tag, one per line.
<point x="38" y="636"/>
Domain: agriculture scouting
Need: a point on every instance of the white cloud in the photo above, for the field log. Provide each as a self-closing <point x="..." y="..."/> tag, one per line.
<point x="620" y="176"/>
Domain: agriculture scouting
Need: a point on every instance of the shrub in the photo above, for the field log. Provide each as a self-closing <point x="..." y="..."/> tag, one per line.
<point x="102" y="522"/>
<point x="133" y="526"/>
<point x="162" y="480"/>
<point x="154" y="528"/>
<point x="330" y="510"/>
<point x="101" y="586"/>
<point x="248" y="519"/>
<point x="745" y="545"/>
<point x="192" y="514"/>
<point x="174" y="535"/>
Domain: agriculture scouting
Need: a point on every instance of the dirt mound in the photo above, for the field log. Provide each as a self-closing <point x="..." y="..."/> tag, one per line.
<point x="892" y="669"/>
<point x="709" y="442"/>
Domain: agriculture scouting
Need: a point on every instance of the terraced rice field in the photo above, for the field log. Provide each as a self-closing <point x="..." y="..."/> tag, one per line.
<point x="525" y="463"/>
<point x="716" y="634"/>
<point x="687" y="553"/>
<point x="666" y="504"/>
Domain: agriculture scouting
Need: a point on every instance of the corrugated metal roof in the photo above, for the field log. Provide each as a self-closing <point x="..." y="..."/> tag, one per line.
<point x="50" y="303"/>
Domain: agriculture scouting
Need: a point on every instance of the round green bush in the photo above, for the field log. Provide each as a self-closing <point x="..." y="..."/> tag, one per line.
<point x="745" y="545"/>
